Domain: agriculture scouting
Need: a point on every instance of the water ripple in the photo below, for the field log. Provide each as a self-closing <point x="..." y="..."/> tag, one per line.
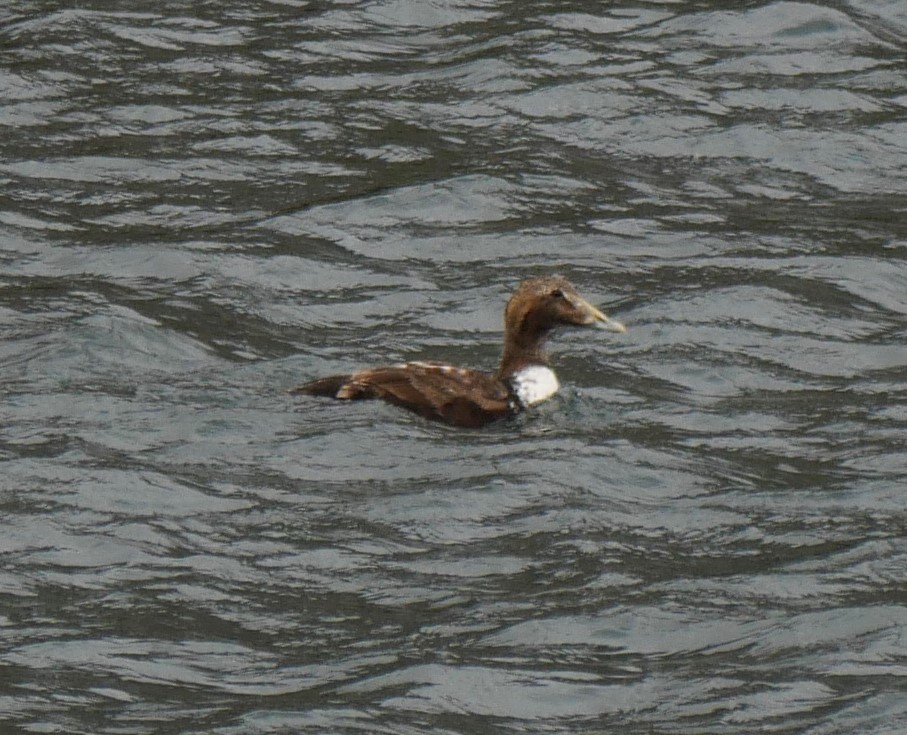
<point x="703" y="533"/>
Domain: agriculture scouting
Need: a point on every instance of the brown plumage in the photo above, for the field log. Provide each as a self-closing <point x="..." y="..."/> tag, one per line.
<point x="465" y="397"/>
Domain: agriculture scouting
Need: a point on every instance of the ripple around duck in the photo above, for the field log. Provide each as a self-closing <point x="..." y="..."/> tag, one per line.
<point x="703" y="533"/>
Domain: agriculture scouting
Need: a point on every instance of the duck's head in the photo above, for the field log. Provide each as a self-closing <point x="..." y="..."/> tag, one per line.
<point x="538" y="306"/>
<point x="542" y="304"/>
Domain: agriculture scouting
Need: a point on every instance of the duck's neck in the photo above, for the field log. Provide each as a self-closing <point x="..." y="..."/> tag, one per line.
<point x="522" y="350"/>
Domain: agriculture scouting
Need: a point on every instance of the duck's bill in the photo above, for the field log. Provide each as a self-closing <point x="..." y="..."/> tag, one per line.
<point x="603" y="321"/>
<point x="609" y="324"/>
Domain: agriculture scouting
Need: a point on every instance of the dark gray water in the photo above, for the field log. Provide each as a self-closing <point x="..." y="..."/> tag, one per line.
<point x="203" y="204"/>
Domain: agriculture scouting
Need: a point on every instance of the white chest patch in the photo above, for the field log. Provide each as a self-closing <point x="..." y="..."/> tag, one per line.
<point x="534" y="384"/>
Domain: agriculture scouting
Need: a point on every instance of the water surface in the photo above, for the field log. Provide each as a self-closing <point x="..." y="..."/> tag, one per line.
<point x="204" y="205"/>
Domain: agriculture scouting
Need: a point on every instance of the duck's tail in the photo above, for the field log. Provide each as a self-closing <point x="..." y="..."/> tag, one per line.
<point x="328" y="387"/>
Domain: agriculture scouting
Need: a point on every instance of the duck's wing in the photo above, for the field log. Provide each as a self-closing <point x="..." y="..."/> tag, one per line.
<point x="455" y="395"/>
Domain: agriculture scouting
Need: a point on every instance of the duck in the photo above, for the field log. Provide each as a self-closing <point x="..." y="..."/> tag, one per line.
<point x="469" y="398"/>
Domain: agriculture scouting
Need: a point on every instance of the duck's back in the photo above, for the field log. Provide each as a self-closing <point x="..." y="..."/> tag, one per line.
<point x="459" y="396"/>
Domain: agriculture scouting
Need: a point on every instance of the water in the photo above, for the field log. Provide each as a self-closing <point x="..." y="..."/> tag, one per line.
<point x="205" y="204"/>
